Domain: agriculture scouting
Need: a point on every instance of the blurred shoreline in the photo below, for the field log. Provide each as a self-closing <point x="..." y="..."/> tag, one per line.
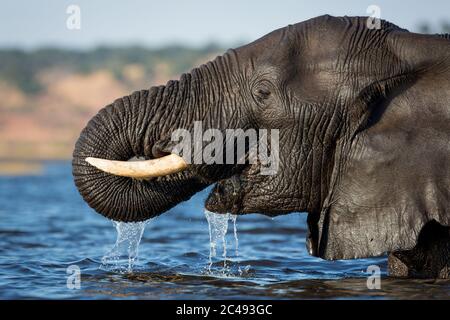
<point x="29" y="167"/>
<point x="20" y="168"/>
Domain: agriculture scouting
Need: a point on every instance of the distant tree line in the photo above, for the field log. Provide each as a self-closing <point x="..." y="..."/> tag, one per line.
<point x="19" y="67"/>
<point x="425" y="27"/>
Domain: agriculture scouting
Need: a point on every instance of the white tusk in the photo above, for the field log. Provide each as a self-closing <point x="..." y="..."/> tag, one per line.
<point x="163" y="166"/>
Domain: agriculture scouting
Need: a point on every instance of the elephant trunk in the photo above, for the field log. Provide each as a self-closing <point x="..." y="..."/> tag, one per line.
<point x="141" y="125"/>
<point x="128" y="128"/>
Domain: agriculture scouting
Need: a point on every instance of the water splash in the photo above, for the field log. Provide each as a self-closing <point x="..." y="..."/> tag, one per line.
<point x="218" y="227"/>
<point x="124" y="255"/>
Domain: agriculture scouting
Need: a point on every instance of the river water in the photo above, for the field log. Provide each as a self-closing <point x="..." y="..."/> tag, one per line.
<point x="47" y="232"/>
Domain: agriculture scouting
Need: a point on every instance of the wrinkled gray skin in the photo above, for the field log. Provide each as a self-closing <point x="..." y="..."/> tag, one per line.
<point x="364" y="120"/>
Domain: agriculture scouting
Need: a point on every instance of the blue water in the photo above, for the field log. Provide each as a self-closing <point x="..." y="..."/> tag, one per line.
<point x="45" y="227"/>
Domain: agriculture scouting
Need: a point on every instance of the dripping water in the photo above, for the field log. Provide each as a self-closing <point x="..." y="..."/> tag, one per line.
<point x="236" y="240"/>
<point x="124" y="254"/>
<point x="218" y="227"/>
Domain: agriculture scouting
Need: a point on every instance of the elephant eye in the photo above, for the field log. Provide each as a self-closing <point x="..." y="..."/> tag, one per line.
<point x="262" y="94"/>
<point x="261" y="91"/>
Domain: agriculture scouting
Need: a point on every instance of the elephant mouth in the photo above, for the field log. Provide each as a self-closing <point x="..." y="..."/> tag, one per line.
<point x="226" y="196"/>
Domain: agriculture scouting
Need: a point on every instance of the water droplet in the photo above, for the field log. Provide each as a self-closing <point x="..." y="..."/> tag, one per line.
<point x="124" y="255"/>
<point x="236" y="240"/>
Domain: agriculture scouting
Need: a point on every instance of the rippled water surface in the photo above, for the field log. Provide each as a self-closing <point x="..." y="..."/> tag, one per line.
<point x="45" y="227"/>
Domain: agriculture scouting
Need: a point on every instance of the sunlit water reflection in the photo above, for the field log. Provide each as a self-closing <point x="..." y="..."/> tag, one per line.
<point x="45" y="227"/>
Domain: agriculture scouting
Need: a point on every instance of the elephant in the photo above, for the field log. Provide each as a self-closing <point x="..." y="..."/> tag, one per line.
<point x="363" y="115"/>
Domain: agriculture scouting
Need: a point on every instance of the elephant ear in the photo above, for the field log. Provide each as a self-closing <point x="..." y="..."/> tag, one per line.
<point x="393" y="175"/>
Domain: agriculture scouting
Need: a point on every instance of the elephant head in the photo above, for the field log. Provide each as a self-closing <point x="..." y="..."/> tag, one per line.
<point x="363" y="120"/>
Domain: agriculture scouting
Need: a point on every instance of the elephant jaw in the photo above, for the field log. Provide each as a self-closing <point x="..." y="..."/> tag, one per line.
<point x="228" y="194"/>
<point x="226" y="197"/>
<point x="146" y="169"/>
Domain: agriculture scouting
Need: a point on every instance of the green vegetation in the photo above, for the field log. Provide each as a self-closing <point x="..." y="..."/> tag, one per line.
<point x="20" y="67"/>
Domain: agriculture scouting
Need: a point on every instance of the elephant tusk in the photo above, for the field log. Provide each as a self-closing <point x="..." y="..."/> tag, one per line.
<point x="147" y="169"/>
